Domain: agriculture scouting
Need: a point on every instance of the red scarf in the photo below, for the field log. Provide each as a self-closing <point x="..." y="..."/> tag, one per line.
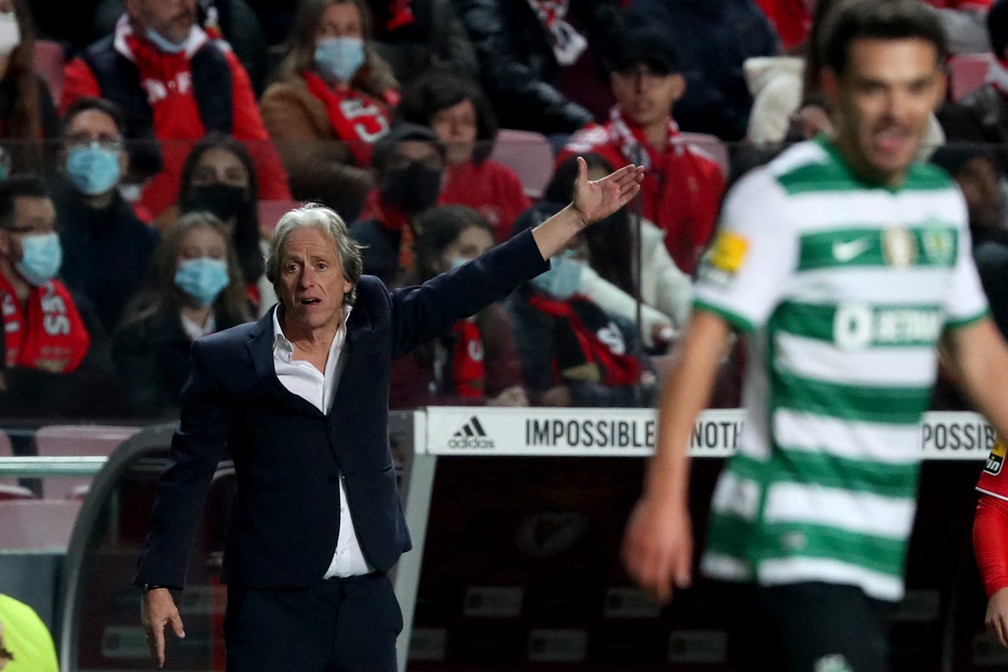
<point x="633" y="143"/>
<point x="580" y="351"/>
<point x="356" y="118"/>
<point x="467" y="363"/>
<point x="51" y="336"/>
<point x="393" y="220"/>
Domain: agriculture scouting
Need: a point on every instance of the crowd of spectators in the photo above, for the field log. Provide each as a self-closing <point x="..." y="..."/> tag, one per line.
<point x="134" y="197"/>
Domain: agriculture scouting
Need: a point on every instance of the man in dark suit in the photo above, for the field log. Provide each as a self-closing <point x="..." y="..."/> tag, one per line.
<point x="300" y="398"/>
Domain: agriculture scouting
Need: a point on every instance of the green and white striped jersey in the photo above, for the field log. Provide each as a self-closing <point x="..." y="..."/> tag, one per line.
<point x="844" y="289"/>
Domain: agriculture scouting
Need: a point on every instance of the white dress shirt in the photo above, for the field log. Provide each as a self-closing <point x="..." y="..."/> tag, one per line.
<point x="304" y="380"/>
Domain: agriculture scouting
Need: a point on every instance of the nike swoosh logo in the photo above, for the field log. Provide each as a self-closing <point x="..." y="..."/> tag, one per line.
<point x="845" y="251"/>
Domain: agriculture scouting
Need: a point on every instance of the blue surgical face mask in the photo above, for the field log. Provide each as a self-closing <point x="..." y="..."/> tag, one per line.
<point x="10" y="34"/>
<point x="93" y="169"/>
<point x="563" y="278"/>
<point x="41" y="256"/>
<point x="338" y="59"/>
<point x="202" y="279"/>
<point x="164" y="44"/>
<point x="459" y="261"/>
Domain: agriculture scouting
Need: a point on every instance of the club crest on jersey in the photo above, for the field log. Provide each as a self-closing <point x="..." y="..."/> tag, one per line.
<point x="939" y="246"/>
<point x="997" y="456"/>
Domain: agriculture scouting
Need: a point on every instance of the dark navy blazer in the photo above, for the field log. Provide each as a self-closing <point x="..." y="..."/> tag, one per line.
<point x="288" y="455"/>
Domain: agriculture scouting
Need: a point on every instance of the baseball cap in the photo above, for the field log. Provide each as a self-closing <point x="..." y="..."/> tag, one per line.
<point x="646" y="44"/>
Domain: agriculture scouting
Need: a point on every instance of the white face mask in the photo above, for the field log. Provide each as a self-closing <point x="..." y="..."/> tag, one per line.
<point x="10" y="34"/>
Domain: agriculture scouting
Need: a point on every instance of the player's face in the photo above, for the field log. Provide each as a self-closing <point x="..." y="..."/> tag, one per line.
<point x="883" y="101"/>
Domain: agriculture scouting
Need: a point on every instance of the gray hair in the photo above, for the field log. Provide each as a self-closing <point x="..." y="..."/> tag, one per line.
<point x="332" y="225"/>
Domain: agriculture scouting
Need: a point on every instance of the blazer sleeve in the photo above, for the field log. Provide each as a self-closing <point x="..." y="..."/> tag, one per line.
<point x="197" y="447"/>
<point x="421" y="313"/>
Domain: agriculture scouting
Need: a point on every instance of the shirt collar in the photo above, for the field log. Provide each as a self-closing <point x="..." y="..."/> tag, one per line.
<point x="284" y="349"/>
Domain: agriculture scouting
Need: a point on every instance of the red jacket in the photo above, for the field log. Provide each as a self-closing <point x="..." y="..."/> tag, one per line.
<point x="490" y="187"/>
<point x="682" y="187"/>
<point x="167" y="81"/>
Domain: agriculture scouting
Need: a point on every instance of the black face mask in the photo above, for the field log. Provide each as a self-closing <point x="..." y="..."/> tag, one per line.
<point x="412" y="189"/>
<point x="223" y="200"/>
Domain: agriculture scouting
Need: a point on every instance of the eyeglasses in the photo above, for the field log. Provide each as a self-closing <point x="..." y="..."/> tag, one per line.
<point x="113" y="144"/>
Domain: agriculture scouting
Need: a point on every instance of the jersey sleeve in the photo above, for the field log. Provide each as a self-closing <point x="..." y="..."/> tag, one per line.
<point x="966" y="299"/>
<point x="754" y="251"/>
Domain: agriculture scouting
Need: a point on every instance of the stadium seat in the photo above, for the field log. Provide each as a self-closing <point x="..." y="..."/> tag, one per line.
<point x="37" y="525"/>
<point x="49" y="61"/>
<point x="9" y="487"/>
<point x="72" y="441"/>
<point x="529" y="154"/>
<point x="967" y="72"/>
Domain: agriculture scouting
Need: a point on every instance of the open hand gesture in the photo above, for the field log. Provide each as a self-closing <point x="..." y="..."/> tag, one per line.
<point x="597" y="199"/>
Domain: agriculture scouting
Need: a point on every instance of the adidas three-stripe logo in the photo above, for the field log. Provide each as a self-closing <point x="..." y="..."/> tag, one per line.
<point x="470" y="435"/>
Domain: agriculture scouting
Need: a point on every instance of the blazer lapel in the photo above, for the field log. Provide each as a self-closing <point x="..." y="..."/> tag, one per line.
<point x="260" y="347"/>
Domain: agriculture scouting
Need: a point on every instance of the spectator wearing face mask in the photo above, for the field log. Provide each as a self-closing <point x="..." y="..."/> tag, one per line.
<point x="409" y="168"/>
<point x="460" y="114"/>
<point x="54" y="352"/>
<point x="106" y="247"/>
<point x="219" y="177"/>
<point x="26" y="108"/>
<point x="475" y="363"/>
<point x="573" y="352"/>
<point x="175" y="83"/>
<point x="195" y="288"/>
<point x="332" y="100"/>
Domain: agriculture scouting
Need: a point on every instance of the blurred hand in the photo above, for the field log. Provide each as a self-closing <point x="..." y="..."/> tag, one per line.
<point x="157" y="609"/>
<point x="658" y="547"/>
<point x="512" y="396"/>
<point x="597" y="199"/>
<point x="996" y="619"/>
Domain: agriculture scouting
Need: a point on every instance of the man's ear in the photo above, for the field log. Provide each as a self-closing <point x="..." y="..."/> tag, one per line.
<point x="678" y="86"/>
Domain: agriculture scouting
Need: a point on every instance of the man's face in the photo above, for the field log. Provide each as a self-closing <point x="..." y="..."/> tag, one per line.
<point x="646" y="93"/>
<point x="93" y="125"/>
<point x="172" y="19"/>
<point x="979" y="182"/>
<point x="311" y="284"/>
<point x="883" y="100"/>
<point x="32" y="217"/>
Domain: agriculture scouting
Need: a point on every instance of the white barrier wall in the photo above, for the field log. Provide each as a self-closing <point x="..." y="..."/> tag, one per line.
<point x="616" y="432"/>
